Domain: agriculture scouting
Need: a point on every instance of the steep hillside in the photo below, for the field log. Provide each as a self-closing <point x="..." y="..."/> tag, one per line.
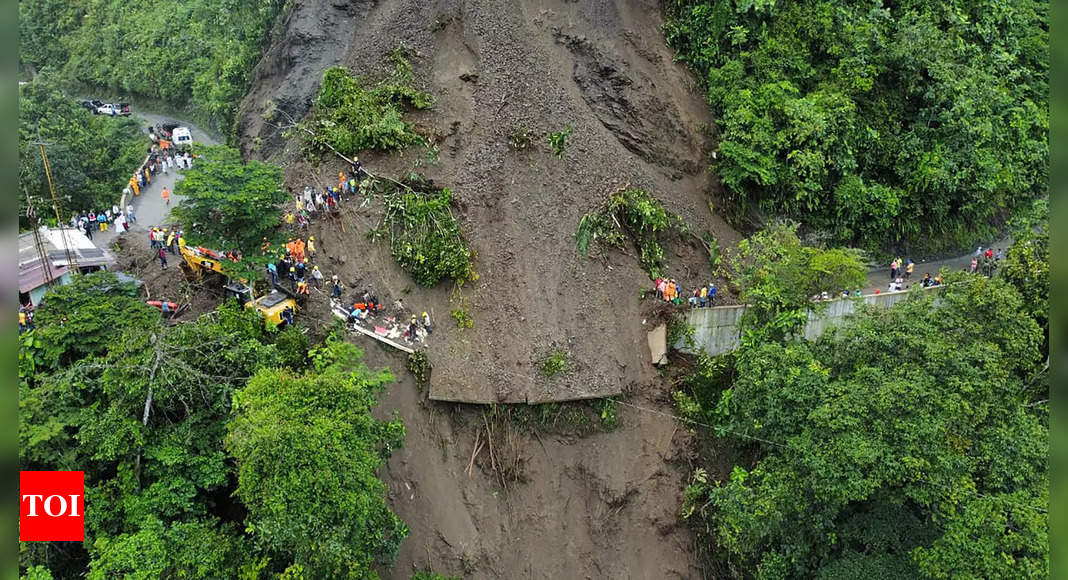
<point x="493" y="68"/>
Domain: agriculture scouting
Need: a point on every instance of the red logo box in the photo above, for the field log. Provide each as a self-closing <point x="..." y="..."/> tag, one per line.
<point x="51" y="506"/>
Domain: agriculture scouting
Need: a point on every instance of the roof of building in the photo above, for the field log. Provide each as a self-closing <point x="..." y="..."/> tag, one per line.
<point x="55" y="242"/>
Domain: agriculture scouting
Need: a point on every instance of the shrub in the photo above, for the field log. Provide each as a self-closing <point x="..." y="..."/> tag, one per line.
<point x="630" y="214"/>
<point x="423" y="235"/>
<point x="555" y="362"/>
<point x="352" y="114"/>
<point x="558" y="140"/>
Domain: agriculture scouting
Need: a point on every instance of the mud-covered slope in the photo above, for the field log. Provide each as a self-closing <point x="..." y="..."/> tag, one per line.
<point x="601" y="67"/>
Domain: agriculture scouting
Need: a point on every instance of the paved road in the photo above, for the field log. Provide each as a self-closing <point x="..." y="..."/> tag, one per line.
<point x="880" y="277"/>
<point x="149" y="209"/>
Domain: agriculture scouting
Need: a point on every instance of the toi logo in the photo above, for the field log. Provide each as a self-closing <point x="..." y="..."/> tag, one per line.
<point x="51" y="506"/>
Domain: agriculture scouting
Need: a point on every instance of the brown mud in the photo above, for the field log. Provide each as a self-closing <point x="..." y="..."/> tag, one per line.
<point x="547" y="503"/>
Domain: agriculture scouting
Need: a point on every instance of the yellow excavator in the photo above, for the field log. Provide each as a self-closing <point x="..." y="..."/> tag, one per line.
<point x="272" y="305"/>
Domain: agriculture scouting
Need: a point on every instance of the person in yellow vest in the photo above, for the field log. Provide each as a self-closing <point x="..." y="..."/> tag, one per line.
<point x="148" y="175"/>
<point x="133" y="185"/>
<point x="170" y="241"/>
<point x="311" y="247"/>
<point x="289" y="218"/>
<point x="22" y="321"/>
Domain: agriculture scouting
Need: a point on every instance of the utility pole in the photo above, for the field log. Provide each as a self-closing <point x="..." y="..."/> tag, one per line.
<point x="38" y="244"/>
<point x="72" y="261"/>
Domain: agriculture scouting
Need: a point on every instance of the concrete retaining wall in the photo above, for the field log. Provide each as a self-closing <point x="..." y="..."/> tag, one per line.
<point x="716" y="329"/>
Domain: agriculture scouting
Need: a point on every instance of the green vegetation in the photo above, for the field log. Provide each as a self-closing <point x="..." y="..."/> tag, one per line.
<point x="352" y="114"/>
<point x="462" y="317"/>
<point x="291" y="429"/>
<point x="423" y="235"/>
<point x="432" y="576"/>
<point x="777" y="277"/>
<point x="198" y="442"/>
<point x="196" y="53"/>
<point x="609" y="414"/>
<point x="231" y="204"/>
<point x="1026" y="264"/>
<point x="521" y="139"/>
<point x="630" y="214"/>
<point x="91" y="156"/>
<point x="911" y="123"/>
<point x="911" y="442"/>
<point x="558" y="141"/>
<point x="554" y="363"/>
<point x="419" y="365"/>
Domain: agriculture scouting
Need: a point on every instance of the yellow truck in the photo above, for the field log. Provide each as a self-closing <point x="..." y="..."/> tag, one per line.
<point x="272" y="305"/>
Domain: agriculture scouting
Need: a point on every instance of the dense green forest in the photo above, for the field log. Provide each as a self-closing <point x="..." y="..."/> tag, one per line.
<point x="902" y="124"/>
<point x="910" y="442"/>
<point x="216" y="448"/>
<point x="197" y="53"/>
<point x="91" y="156"/>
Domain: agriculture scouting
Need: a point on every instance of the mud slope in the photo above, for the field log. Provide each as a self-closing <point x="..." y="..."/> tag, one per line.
<point x="493" y="67"/>
<point x="603" y="506"/>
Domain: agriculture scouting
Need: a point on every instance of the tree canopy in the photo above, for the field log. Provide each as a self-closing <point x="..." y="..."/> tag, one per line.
<point x="196" y="52"/>
<point x="91" y="156"/>
<point x="906" y="123"/>
<point x="910" y="442"/>
<point x="145" y="410"/>
<point x="230" y="204"/>
<point x="776" y="277"/>
<point x="307" y="451"/>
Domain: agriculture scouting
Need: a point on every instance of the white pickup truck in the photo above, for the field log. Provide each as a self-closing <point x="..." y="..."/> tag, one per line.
<point x="110" y="109"/>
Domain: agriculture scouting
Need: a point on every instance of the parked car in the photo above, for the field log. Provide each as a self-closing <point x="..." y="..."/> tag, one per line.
<point x="92" y="105"/>
<point x="114" y="109"/>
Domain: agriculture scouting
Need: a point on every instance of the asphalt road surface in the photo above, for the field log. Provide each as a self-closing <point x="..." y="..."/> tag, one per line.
<point x="149" y="208"/>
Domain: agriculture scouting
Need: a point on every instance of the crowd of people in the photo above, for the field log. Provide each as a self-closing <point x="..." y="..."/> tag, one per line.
<point x="669" y="290"/>
<point x="294" y="264"/>
<point x="161" y="158"/>
<point x="312" y="202"/>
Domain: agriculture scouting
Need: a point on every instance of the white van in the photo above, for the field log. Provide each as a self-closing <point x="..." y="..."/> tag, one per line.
<point x="181" y="137"/>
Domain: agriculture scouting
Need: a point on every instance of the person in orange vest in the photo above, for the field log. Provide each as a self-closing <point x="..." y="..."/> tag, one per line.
<point x="166" y="196"/>
<point x="302" y="287"/>
<point x="298" y="247"/>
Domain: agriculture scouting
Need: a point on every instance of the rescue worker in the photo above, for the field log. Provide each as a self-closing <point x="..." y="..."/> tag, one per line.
<point x="23" y="322"/>
<point x="287" y="315"/>
<point x="336" y="291"/>
<point x="293" y="278"/>
<point x="301" y="270"/>
<point x="413" y="333"/>
<point x="170" y="240"/>
<point x="426" y="322"/>
<point x="166" y="196"/>
<point x="317" y="277"/>
<point x="311" y="247"/>
<point x="302" y="288"/>
<point x="272" y="271"/>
